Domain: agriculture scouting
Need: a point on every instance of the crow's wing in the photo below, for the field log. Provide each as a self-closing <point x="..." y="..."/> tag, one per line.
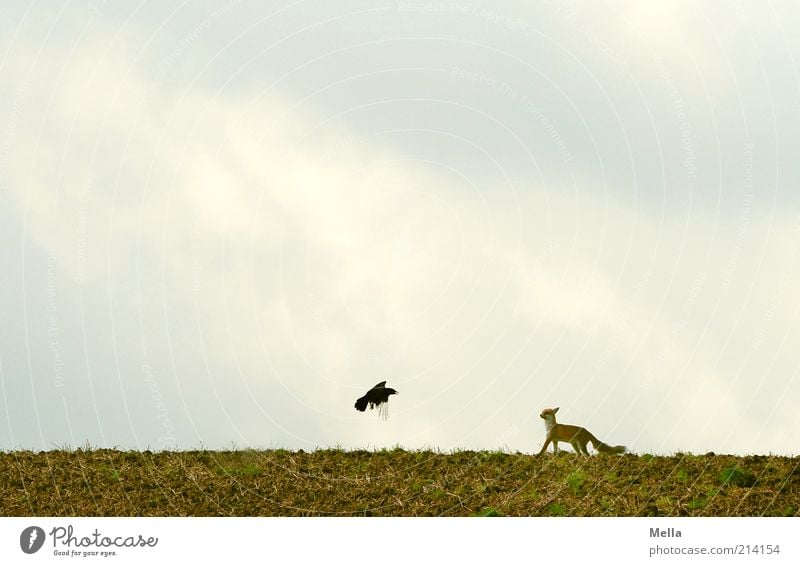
<point x="361" y="403"/>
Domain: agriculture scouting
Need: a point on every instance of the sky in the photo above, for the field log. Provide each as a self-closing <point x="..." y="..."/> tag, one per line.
<point x="222" y="222"/>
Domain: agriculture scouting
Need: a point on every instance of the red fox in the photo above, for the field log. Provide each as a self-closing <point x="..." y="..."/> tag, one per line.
<point x="578" y="436"/>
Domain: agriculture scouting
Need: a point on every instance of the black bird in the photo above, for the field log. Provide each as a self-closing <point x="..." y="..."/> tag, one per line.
<point x="378" y="397"/>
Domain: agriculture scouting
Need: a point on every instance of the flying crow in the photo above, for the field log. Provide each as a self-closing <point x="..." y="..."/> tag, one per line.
<point x="378" y="397"/>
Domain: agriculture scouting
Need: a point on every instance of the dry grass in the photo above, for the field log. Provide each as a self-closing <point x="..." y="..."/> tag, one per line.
<point x="392" y="482"/>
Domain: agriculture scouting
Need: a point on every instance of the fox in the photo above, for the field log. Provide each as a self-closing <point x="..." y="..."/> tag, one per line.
<point x="578" y="436"/>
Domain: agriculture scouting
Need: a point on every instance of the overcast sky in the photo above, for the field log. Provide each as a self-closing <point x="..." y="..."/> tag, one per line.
<point x="221" y="223"/>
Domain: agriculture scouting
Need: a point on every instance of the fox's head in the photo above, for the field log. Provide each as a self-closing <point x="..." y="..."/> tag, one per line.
<point x="549" y="414"/>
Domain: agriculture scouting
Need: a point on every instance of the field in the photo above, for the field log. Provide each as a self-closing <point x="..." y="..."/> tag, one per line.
<point x="392" y="482"/>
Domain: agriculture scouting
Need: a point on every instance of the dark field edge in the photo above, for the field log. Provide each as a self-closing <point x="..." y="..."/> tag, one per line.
<point x="392" y="482"/>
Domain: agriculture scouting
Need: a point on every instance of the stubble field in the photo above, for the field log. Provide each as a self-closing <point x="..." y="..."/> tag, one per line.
<point x="392" y="482"/>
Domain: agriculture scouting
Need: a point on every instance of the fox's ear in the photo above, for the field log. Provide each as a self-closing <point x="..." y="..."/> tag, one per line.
<point x="556" y="409"/>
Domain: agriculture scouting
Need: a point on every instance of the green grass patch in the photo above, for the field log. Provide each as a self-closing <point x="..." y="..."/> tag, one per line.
<point x="575" y="481"/>
<point x="489" y="512"/>
<point x="735" y="475"/>
<point x="556" y="510"/>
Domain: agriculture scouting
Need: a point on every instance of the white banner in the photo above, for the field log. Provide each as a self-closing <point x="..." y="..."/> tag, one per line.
<point x="398" y="541"/>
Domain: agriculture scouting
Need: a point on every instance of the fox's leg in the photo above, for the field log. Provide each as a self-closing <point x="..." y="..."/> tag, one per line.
<point x="580" y="449"/>
<point x="555" y="447"/>
<point x="579" y="444"/>
<point x="544" y="447"/>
